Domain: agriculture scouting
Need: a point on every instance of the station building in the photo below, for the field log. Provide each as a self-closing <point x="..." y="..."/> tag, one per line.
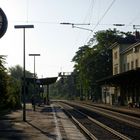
<point x="123" y="87"/>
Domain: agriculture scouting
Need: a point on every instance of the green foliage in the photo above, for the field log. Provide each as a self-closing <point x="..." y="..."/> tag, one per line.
<point x="64" y="88"/>
<point x="17" y="73"/>
<point x="3" y="87"/>
<point x="9" y="91"/>
<point x="13" y="93"/>
<point x="10" y="86"/>
<point x="94" y="63"/>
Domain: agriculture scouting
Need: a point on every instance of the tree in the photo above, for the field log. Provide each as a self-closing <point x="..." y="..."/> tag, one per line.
<point x="94" y="61"/>
<point x="10" y="86"/>
<point x="64" y="88"/>
<point x="16" y="73"/>
<point x="81" y="69"/>
<point x="13" y="93"/>
<point x="3" y="82"/>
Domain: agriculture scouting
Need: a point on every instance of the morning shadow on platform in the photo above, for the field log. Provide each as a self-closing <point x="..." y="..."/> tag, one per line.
<point x="52" y="136"/>
<point x="46" y="109"/>
<point x="8" y="130"/>
<point x="49" y="109"/>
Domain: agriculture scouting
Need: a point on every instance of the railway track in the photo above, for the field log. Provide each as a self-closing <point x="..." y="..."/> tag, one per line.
<point x="135" y="121"/>
<point x="130" y="113"/>
<point x="123" y="126"/>
<point x="92" y="127"/>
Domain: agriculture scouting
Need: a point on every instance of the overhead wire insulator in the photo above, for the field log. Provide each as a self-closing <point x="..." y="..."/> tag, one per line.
<point x="119" y="24"/>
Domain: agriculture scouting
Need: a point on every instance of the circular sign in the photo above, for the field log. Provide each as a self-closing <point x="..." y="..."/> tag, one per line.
<point x="3" y="23"/>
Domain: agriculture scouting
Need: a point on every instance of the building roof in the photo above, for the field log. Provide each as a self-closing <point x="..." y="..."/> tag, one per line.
<point x="127" y="77"/>
<point x="131" y="47"/>
<point x="125" y="41"/>
<point x="47" y="81"/>
<point x="43" y="81"/>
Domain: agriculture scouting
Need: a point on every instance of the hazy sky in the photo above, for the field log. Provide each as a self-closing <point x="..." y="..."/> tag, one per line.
<point x="58" y="43"/>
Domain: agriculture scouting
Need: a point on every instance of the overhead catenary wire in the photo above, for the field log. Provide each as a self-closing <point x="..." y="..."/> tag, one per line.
<point x="132" y="21"/>
<point x="27" y="10"/>
<point x="104" y="14"/>
<point x="89" y="14"/>
<point x="87" y="19"/>
<point x="109" y="7"/>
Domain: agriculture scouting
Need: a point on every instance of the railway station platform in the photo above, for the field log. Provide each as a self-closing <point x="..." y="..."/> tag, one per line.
<point x="46" y="123"/>
<point x="122" y="109"/>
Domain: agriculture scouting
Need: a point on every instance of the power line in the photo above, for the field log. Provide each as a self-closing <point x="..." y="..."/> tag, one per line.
<point x="90" y="11"/>
<point x="27" y="10"/>
<point x="87" y="18"/>
<point x="102" y="17"/>
<point x="35" y="21"/>
<point x="130" y="23"/>
<point x="104" y="14"/>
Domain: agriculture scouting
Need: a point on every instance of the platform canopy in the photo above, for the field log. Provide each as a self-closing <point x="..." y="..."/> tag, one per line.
<point x="3" y="23"/>
<point x="128" y="77"/>
<point x="43" y="81"/>
<point x="46" y="81"/>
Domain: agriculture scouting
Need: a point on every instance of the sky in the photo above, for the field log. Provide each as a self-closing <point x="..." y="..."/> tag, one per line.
<point x="57" y="43"/>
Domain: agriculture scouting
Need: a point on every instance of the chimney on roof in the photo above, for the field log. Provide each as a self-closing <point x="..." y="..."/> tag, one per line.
<point x="137" y="35"/>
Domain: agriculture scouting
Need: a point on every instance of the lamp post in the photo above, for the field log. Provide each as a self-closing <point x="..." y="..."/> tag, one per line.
<point x="24" y="76"/>
<point x="34" y="55"/>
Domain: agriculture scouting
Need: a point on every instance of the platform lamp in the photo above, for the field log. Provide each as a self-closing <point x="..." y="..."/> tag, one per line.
<point x="24" y="76"/>
<point x="34" y="55"/>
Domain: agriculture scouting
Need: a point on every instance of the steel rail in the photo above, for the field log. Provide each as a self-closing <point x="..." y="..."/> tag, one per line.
<point x="122" y="117"/>
<point x="114" y="132"/>
<point x="79" y="124"/>
<point x="131" y="114"/>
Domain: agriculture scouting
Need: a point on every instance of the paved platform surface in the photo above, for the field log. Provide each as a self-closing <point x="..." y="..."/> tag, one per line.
<point x="46" y="123"/>
<point x="125" y="109"/>
<point x="128" y="110"/>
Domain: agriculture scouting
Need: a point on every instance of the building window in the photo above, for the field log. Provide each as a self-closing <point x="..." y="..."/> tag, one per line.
<point x="136" y="63"/>
<point x="127" y="66"/>
<point x="116" y="70"/>
<point x="135" y="49"/>
<point x="115" y="55"/>
<point x="124" y="67"/>
<point x="132" y="64"/>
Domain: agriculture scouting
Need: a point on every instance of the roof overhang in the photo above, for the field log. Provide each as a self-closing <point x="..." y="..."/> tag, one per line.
<point x="47" y="81"/>
<point x="132" y="76"/>
<point x="43" y="81"/>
